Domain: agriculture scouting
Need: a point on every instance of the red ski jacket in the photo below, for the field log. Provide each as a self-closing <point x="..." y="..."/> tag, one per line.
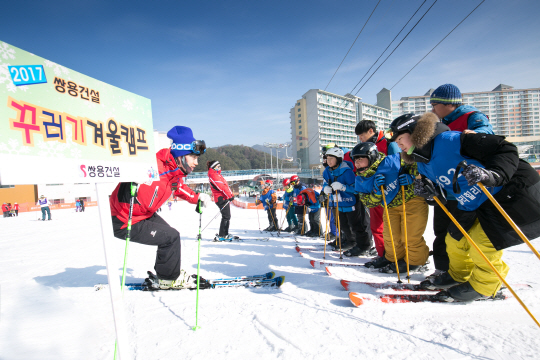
<point x="5" y="207"/>
<point x="219" y="185"/>
<point x="151" y="194"/>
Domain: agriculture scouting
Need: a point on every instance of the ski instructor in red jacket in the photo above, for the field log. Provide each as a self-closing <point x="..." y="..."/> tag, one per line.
<point x="222" y="197"/>
<point x="147" y="227"/>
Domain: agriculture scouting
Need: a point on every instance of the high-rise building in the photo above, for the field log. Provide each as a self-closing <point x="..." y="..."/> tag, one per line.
<point x="513" y="113"/>
<point x="321" y="117"/>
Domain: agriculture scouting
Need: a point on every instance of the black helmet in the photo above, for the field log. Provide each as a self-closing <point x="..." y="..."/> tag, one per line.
<point x="402" y="124"/>
<point x="368" y="150"/>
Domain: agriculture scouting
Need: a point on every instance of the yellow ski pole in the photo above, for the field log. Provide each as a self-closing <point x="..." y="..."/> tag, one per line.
<point x="405" y="223"/>
<point x="338" y="224"/>
<point x="484" y="257"/>
<point x="390" y="230"/>
<point x="510" y="221"/>
<point x="327" y="224"/>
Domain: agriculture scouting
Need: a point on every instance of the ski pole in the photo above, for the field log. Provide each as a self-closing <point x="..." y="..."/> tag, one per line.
<point x="198" y="209"/>
<point x="133" y="189"/>
<point x="303" y="220"/>
<point x="484" y="257"/>
<point x="338" y="224"/>
<point x="327" y="224"/>
<point x="219" y="212"/>
<point x="510" y="221"/>
<point x="390" y="230"/>
<point x="257" y="207"/>
<point x="405" y="224"/>
<point x="272" y="215"/>
<point x="463" y="164"/>
<point x="286" y="213"/>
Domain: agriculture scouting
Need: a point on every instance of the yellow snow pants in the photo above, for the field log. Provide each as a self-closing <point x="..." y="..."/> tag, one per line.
<point x="466" y="263"/>
<point x="417" y="217"/>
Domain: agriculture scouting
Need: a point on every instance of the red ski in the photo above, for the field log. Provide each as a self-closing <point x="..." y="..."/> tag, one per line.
<point x="358" y="299"/>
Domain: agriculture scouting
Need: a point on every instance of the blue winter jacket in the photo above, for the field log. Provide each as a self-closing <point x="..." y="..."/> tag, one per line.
<point x="267" y="196"/>
<point x="342" y="174"/>
<point x="390" y="167"/>
<point x="287" y="197"/>
<point x="477" y="121"/>
<point x="442" y="166"/>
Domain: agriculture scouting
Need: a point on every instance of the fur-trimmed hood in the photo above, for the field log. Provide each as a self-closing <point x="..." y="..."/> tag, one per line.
<point x="427" y="128"/>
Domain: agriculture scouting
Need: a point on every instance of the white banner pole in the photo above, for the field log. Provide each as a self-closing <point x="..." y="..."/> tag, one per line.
<point x="113" y="273"/>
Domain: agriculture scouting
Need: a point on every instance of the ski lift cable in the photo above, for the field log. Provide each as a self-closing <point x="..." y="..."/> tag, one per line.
<point x="437" y="44"/>
<point x="352" y="45"/>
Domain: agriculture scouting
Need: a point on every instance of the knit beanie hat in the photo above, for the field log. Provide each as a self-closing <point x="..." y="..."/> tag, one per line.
<point x="212" y="164"/>
<point x="446" y="94"/>
<point x="182" y="138"/>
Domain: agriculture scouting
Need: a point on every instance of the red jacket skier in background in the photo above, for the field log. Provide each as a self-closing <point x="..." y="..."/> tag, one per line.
<point x="222" y="197"/>
<point x="146" y="226"/>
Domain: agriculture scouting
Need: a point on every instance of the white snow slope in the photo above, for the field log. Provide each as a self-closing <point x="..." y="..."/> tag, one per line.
<point x="50" y="310"/>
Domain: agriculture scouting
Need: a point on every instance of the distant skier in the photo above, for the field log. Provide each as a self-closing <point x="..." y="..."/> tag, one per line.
<point x="77" y="206"/>
<point x="288" y="206"/>
<point x="16" y="209"/>
<point x="300" y="210"/>
<point x="44" y="204"/>
<point x="148" y="228"/>
<point x="269" y="200"/>
<point x="222" y="197"/>
<point x="81" y="201"/>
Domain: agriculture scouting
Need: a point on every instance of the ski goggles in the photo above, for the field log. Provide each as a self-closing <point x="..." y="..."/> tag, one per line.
<point x="390" y="134"/>
<point x="197" y="147"/>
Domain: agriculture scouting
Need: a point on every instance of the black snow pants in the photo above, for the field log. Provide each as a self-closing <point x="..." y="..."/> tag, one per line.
<point x="155" y="231"/>
<point x="225" y="216"/>
<point x="441" y="221"/>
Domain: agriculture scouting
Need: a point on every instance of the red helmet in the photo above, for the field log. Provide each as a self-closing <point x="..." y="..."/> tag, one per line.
<point x="294" y="178"/>
<point x="300" y="200"/>
<point x="268" y="182"/>
<point x="286" y="182"/>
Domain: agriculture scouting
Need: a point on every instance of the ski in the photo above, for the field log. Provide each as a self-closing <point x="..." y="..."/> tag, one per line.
<point x="314" y="250"/>
<point x="239" y="239"/>
<point x="317" y="263"/>
<point x="349" y="285"/>
<point x="358" y="299"/>
<point x="263" y="280"/>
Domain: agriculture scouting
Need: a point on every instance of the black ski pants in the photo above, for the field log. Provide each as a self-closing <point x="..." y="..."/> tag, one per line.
<point x="225" y="216"/>
<point x="441" y="221"/>
<point x="300" y="212"/>
<point x="354" y="225"/>
<point x="155" y="231"/>
<point x="272" y="217"/>
<point x="314" y="219"/>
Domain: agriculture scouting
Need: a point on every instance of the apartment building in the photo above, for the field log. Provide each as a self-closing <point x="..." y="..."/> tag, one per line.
<point x="321" y="117"/>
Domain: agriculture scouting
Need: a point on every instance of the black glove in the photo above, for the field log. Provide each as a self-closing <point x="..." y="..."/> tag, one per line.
<point x="475" y="174"/>
<point x="280" y="198"/>
<point x="428" y="190"/>
<point x="322" y="198"/>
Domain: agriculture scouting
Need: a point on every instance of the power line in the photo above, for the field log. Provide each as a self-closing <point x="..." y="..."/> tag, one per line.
<point x="395" y="48"/>
<point x="352" y="45"/>
<point x="391" y="42"/>
<point x="437" y="44"/>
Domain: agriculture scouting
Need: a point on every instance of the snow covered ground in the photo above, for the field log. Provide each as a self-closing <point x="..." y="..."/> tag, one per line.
<point x="49" y="309"/>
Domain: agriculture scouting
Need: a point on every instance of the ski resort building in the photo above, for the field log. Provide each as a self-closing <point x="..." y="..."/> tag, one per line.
<point x="321" y="117"/>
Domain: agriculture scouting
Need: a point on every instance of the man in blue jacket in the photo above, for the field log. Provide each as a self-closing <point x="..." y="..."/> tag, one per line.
<point x="446" y="102"/>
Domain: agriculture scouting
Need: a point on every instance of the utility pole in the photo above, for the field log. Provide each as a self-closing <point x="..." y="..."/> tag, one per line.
<point x="275" y="146"/>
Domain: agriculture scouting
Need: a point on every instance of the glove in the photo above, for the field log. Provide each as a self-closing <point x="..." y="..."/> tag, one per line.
<point x="427" y="189"/>
<point x="327" y="190"/>
<point x="280" y="198"/>
<point x="337" y="186"/>
<point x="322" y="198"/>
<point x="204" y="198"/>
<point x="475" y="174"/>
<point x="231" y="199"/>
<point x="405" y="179"/>
<point x="379" y="181"/>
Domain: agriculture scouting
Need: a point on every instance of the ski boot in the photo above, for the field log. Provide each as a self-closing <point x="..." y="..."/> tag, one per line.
<point x="443" y="281"/>
<point x="357" y="251"/>
<point x="402" y="265"/>
<point x="223" y="238"/>
<point x="377" y="263"/>
<point x="463" y="292"/>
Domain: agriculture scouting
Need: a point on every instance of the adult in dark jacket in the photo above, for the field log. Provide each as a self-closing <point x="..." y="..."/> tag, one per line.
<point x="222" y="197"/>
<point x="446" y="102"/>
<point x="82" y="204"/>
<point x="149" y="228"/>
<point x="495" y="163"/>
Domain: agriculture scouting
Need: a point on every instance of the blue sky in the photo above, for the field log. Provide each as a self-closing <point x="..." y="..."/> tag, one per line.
<point x="233" y="69"/>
